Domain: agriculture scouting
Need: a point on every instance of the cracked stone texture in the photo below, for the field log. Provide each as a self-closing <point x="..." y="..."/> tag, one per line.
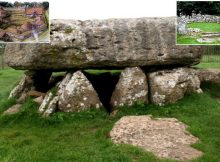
<point x="76" y="94"/>
<point x="46" y="101"/>
<point x="209" y="75"/>
<point x="105" y="43"/>
<point x="31" y="84"/>
<point x="168" y="86"/>
<point x="164" y="137"/>
<point x="132" y="87"/>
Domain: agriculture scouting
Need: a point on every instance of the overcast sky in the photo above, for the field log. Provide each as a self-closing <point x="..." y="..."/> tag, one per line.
<point x="102" y="9"/>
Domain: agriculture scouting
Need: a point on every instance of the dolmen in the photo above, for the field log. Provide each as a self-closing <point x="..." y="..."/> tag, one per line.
<point x="152" y="68"/>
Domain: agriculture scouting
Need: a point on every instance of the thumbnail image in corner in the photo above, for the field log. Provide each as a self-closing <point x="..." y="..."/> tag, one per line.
<point x="26" y="22"/>
<point x="198" y="22"/>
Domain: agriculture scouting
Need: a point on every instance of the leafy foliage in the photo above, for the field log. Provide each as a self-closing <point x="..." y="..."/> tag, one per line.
<point x="203" y="7"/>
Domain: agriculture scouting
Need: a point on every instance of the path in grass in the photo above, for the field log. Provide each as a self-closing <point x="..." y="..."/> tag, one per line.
<point x="84" y="136"/>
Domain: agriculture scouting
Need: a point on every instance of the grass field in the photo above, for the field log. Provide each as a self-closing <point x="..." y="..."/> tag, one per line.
<point x="205" y="27"/>
<point x="26" y="137"/>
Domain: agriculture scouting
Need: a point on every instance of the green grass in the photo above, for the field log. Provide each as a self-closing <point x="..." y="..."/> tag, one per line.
<point x="205" y="27"/>
<point x="8" y="79"/>
<point x="205" y="65"/>
<point x="183" y="39"/>
<point x="26" y="137"/>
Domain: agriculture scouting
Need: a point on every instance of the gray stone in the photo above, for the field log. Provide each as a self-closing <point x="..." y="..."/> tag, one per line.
<point x="164" y="137"/>
<point x="13" y="110"/>
<point x="181" y="28"/>
<point x="132" y="87"/>
<point x="23" y="86"/>
<point x="39" y="100"/>
<point x="76" y="94"/>
<point x="105" y="43"/>
<point x="30" y="85"/>
<point x="49" y="96"/>
<point x="209" y="75"/>
<point x="168" y="86"/>
<point x="52" y="106"/>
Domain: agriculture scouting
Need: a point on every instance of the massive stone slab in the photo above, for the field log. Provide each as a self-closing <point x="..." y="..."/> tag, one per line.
<point x="105" y="43"/>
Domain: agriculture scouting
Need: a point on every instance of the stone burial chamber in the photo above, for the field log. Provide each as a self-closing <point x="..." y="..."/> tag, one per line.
<point x="149" y="67"/>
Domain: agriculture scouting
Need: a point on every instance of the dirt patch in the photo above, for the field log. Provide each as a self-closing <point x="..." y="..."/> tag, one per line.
<point x="165" y="137"/>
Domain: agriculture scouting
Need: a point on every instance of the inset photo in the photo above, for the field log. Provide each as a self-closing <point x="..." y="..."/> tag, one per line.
<point x="24" y="22"/>
<point x="198" y="22"/>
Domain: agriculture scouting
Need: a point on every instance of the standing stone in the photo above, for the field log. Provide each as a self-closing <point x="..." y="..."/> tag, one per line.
<point x="105" y="43"/>
<point x="32" y="81"/>
<point x="23" y="86"/>
<point x="52" y="106"/>
<point x="168" y="86"/>
<point x="181" y="28"/>
<point x="78" y="94"/>
<point x="132" y="87"/>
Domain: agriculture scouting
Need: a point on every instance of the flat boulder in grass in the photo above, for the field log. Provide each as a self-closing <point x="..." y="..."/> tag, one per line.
<point x="13" y="110"/>
<point x="132" y="87"/>
<point x="168" y="86"/>
<point x="164" y="137"/>
<point x="111" y="43"/>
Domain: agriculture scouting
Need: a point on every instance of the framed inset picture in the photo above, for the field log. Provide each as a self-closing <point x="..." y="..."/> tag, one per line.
<point x="198" y="22"/>
<point x="24" y="22"/>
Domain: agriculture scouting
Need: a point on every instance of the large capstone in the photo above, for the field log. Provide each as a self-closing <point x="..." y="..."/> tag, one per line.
<point x="76" y="93"/>
<point x="105" y="43"/>
<point x="168" y="86"/>
<point x="132" y="87"/>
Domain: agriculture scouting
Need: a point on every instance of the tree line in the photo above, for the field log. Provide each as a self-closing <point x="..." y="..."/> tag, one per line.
<point x="202" y="7"/>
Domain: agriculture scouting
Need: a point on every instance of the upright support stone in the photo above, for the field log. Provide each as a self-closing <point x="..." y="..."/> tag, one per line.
<point x="77" y="94"/>
<point x="168" y="86"/>
<point x="132" y="87"/>
<point x="31" y="81"/>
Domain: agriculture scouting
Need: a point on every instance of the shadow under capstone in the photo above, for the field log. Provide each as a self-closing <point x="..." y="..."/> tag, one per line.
<point x="104" y="84"/>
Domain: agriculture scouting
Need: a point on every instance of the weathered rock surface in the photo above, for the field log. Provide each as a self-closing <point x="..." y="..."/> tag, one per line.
<point x="105" y="43"/>
<point x="168" y="86"/>
<point x="76" y="94"/>
<point x="52" y="106"/>
<point x="165" y="137"/>
<point x="132" y="87"/>
<point x="13" y="110"/>
<point x="32" y="84"/>
<point x="33" y="93"/>
<point x="47" y="99"/>
<point x="209" y="75"/>
<point x="39" y="100"/>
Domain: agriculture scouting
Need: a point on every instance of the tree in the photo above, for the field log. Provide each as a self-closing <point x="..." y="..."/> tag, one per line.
<point x="203" y="7"/>
<point x="45" y="5"/>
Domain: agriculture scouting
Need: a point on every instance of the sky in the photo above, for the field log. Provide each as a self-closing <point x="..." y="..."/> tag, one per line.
<point x="103" y="9"/>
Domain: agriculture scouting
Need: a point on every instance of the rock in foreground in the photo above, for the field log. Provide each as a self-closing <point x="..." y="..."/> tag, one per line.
<point x="165" y="137"/>
<point x="105" y="43"/>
